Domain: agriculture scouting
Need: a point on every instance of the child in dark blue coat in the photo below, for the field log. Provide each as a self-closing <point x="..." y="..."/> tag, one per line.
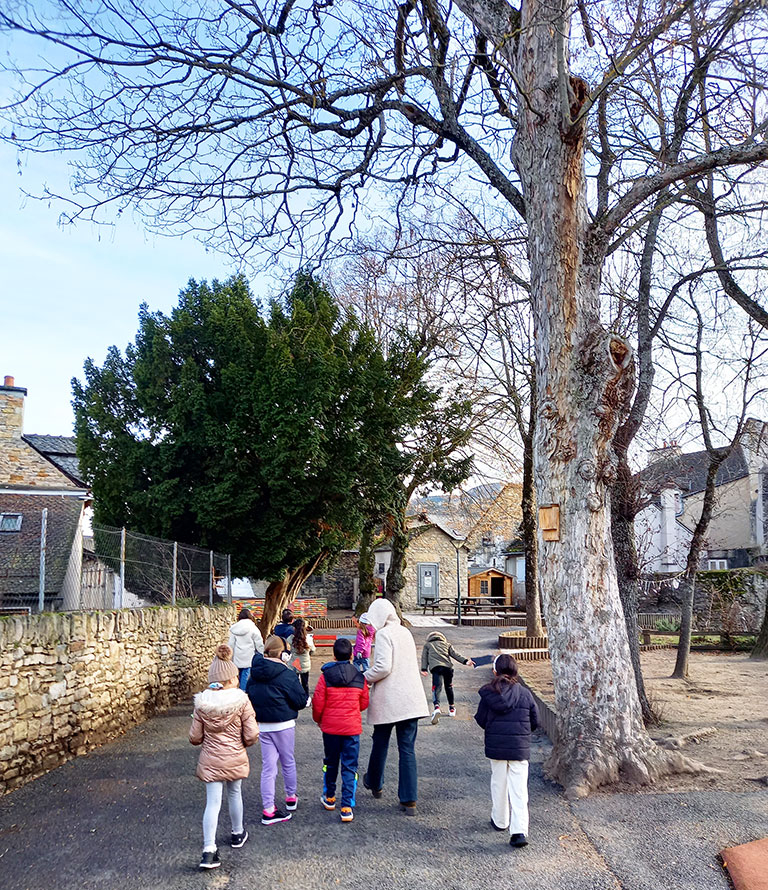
<point x="507" y="713"/>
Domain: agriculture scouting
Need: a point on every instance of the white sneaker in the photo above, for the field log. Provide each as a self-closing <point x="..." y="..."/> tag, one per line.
<point x="452" y="711"/>
<point x="309" y="701"/>
<point x="436" y="716"/>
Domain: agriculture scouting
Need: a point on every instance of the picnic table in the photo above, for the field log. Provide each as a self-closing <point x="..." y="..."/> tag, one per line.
<point x="480" y="605"/>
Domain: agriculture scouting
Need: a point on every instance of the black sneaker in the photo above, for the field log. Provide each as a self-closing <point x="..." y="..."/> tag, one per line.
<point x="496" y="827"/>
<point x="277" y="816"/>
<point x="210" y="859"/>
<point x="237" y="840"/>
<point x="518" y="840"/>
<point x="376" y="793"/>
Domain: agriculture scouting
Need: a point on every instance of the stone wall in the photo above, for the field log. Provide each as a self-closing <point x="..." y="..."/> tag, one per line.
<point x="72" y="681"/>
<point x="662" y="595"/>
<point x="339" y="585"/>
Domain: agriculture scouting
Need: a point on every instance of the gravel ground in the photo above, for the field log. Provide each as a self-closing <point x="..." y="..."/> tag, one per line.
<point x="128" y="816"/>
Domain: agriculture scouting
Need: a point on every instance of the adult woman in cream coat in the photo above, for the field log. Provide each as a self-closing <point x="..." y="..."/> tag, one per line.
<point x="397" y="702"/>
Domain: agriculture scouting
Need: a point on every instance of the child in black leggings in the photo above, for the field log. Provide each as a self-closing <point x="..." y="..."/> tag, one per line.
<point x="436" y="659"/>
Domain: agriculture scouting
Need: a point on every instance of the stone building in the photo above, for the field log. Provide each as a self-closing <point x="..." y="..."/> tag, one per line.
<point x="37" y="492"/>
<point x="436" y="562"/>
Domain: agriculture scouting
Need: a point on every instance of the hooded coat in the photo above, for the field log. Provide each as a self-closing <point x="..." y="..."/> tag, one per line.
<point x="275" y="691"/>
<point x="224" y="724"/>
<point x="438" y="652"/>
<point x="340" y="697"/>
<point x="245" y="641"/>
<point x="508" y="718"/>
<point x="397" y="692"/>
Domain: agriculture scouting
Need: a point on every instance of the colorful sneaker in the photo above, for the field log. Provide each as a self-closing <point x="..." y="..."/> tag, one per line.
<point x="291" y="803"/>
<point x="210" y="859"/>
<point x="436" y="715"/>
<point x="238" y="840"/>
<point x="452" y="711"/>
<point x="273" y="817"/>
<point x="346" y="814"/>
<point x="328" y="802"/>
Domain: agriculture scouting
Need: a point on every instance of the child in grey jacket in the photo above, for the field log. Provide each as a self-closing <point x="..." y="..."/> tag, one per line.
<point x="436" y="659"/>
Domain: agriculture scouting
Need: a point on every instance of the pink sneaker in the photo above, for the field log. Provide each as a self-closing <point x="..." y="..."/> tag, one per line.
<point x="291" y="803"/>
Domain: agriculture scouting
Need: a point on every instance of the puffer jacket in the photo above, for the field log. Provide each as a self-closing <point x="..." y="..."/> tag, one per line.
<point x="508" y="718"/>
<point x="275" y="691"/>
<point x="245" y="641"/>
<point x="438" y="652"/>
<point x="304" y="658"/>
<point x="224" y="724"/>
<point x="340" y="698"/>
<point x="397" y="692"/>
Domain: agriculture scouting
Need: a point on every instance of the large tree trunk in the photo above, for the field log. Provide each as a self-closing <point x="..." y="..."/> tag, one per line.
<point x="580" y="371"/>
<point x="688" y="580"/>
<point x="533" y="624"/>
<point x="395" y="573"/>
<point x="280" y="593"/>
<point x="366" y="580"/>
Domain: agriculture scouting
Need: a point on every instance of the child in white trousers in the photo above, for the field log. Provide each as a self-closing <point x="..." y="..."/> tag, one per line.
<point x="507" y="713"/>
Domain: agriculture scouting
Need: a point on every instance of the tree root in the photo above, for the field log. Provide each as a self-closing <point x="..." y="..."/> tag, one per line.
<point x="674" y="743"/>
<point x="580" y="772"/>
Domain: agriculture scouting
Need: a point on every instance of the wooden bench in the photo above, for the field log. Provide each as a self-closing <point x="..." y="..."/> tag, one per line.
<point x="326" y="641"/>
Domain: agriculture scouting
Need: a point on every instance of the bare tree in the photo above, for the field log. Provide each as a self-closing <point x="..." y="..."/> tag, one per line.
<point x="283" y="122"/>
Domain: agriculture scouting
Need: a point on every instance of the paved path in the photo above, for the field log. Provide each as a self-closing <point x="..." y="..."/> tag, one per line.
<point x="127" y="816"/>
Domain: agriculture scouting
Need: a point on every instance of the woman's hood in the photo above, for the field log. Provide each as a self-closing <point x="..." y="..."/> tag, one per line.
<point x="243" y="627"/>
<point x="507" y="698"/>
<point x="381" y="612"/>
<point x="436" y="635"/>
<point x="264" y="669"/>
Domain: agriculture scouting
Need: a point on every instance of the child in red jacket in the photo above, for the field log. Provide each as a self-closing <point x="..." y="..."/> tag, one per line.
<point x="340" y="698"/>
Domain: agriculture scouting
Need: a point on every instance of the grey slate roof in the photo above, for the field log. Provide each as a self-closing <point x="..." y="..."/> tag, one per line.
<point x="20" y="551"/>
<point x="61" y="451"/>
<point x="689" y="471"/>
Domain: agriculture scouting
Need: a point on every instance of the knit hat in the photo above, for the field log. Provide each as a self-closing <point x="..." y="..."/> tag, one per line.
<point x="364" y="619"/>
<point x="222" y="667"/>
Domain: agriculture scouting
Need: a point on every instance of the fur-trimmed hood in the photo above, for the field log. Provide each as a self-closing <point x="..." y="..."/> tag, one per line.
<point x="219" y="707"/>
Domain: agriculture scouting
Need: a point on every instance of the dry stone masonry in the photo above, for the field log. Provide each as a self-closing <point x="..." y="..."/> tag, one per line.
<point x="72" y="681"/>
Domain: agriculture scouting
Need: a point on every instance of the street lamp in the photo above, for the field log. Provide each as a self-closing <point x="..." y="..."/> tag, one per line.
<point x="458" y="580"/>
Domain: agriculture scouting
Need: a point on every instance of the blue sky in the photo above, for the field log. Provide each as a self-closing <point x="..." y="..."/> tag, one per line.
<point x="71" y="292"/>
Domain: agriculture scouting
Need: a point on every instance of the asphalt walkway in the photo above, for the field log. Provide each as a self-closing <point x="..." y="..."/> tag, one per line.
<point x="128" y="816"/>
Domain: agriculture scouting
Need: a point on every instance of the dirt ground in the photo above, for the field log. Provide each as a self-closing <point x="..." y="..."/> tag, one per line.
<point x="727" y="692"/>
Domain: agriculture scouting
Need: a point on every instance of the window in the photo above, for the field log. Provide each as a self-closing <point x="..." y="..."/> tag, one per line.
<point x="381" y="568"/>
<point x="10" y="522"/>
<point x="483" y="588"/>
<point x="717" y="565"/>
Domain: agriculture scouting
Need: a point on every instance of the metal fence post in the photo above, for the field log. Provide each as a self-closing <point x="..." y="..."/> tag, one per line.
<point x="43" y="539"/>
<point x="229" y="579"/>
<point x="175" y="561"/>
<point x="121" y="601"/>
<point x="210" y="581"/>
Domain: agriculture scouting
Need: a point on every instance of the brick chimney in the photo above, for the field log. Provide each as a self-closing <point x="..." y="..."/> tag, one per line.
<point x="11" y="410"/>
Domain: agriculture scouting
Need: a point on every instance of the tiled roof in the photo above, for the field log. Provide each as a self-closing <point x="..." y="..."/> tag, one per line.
<point x="20" y="551"/>
<point x="61" y="451"/>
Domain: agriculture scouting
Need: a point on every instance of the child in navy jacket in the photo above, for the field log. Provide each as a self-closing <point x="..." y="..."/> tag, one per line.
<point x="339" y="700"/>
<point x="507" y="713"/>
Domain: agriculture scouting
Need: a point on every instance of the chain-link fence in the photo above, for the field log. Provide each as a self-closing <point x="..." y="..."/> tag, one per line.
<point x="48" y="563"/>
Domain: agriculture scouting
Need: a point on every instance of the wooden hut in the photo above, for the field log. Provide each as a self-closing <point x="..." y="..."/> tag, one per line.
<point x="489" y="582"/>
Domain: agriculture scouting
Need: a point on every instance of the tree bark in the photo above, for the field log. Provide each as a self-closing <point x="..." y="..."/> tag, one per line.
<point x="280" y="593"/>
<point x="581" y="390"/>
<point x="761" y="643"/>
<point x="533" y="623"/>
<point x="688" y="580"/>
<point x="366" y="580"/>
<point x="395" y="576"/>
<point x="625" y="553"/>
